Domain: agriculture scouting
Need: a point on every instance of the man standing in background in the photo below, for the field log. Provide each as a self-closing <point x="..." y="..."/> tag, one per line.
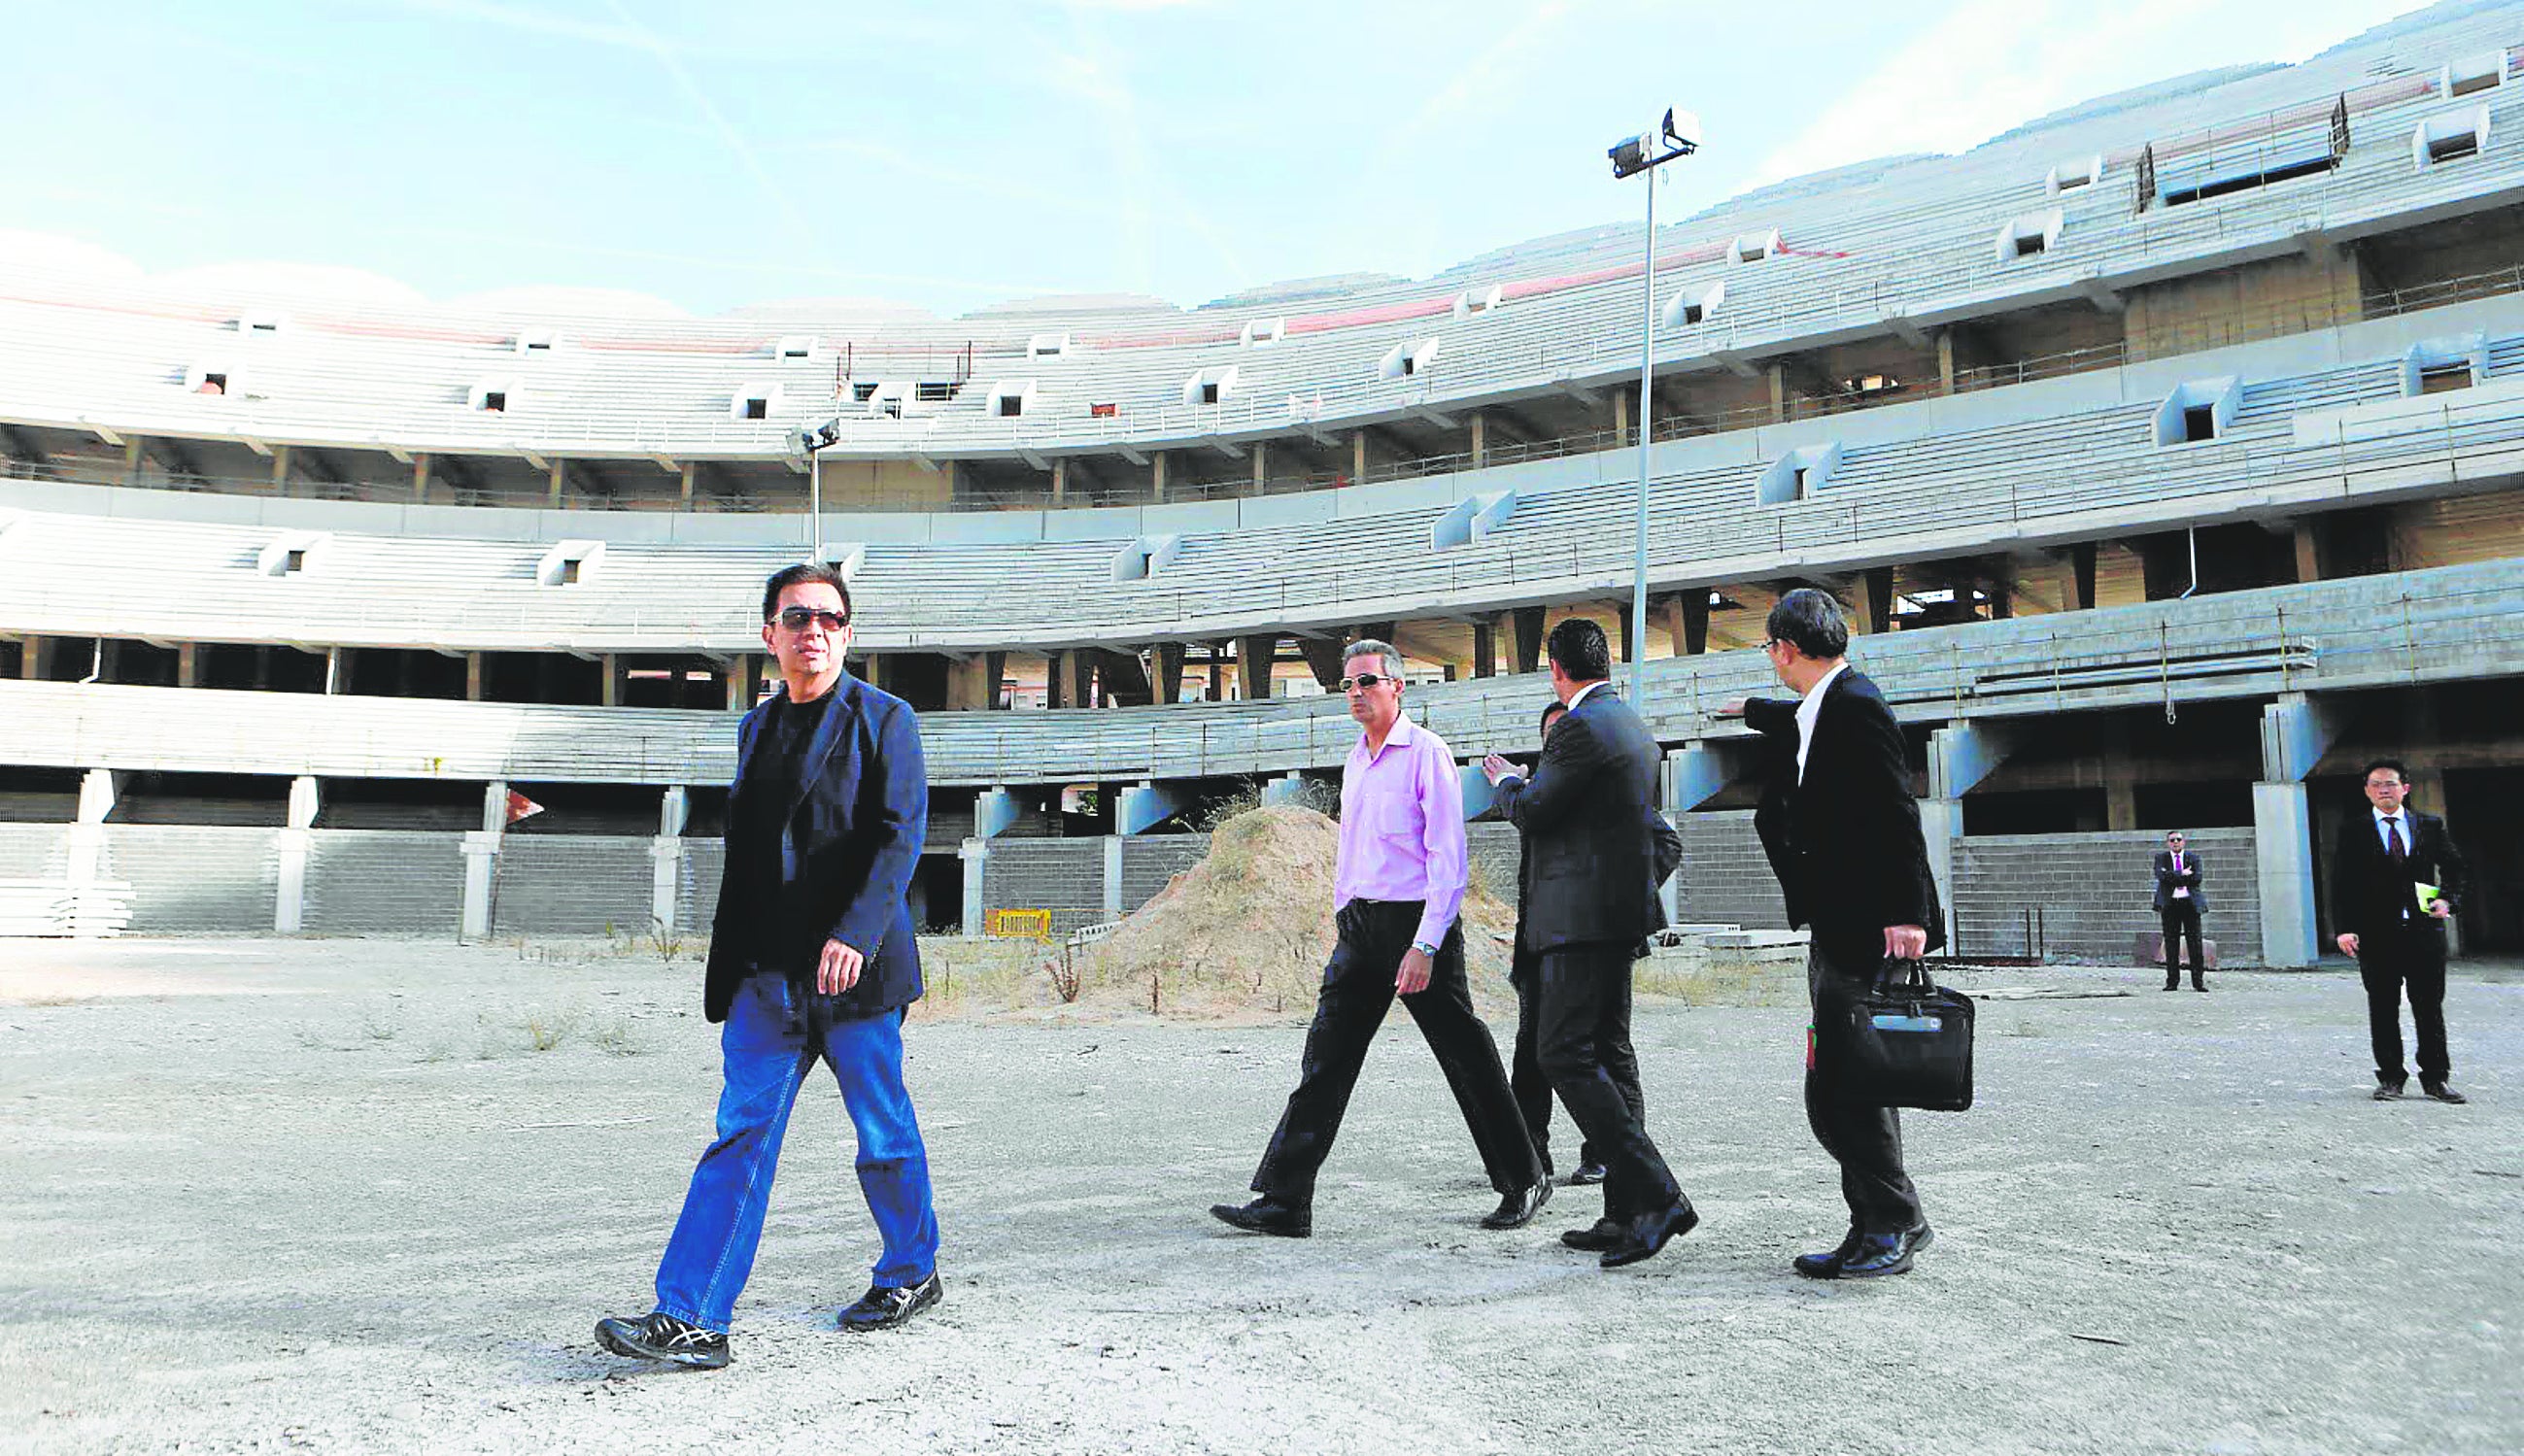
<point x="2178" y="903"/>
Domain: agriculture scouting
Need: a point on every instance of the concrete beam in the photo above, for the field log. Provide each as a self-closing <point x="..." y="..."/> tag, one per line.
<point x="1134" y="456"/>
<point x="1586" y="395"/>
<point x="1907" y="330"/>
<point x="1144" y="806"/>
<point x="2296" y="732"/>
<point x="1963" y="755"/>
<point x="96" y="796"/>
<point x="994" y="812"/>
<point x="1698" y="772"/>
<point x="1737" y="363"/>
<point x="2105" y="298"/>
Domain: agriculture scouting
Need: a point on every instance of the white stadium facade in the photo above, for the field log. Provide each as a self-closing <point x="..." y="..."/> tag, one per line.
<point x="2168" y="453"/>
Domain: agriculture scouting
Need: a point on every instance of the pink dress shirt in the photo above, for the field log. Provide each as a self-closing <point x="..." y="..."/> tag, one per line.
<point x="1402" y="827"/>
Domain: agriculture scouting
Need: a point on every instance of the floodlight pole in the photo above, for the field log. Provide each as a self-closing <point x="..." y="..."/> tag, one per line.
<point x="1647" y="431"/>
<point x="816" y="501"/>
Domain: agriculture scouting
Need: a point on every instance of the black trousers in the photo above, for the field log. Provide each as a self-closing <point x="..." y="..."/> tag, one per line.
<point x="1863" y="1138"/>
<point x="2182" y="919"/>
<point x="1583" y="1013"/>
<point x="1525" y="1066"/>
<point x="1358" y="990"/>
<point x="2409" y="960"/>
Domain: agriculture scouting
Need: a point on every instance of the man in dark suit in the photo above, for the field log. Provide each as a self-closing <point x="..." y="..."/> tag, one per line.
<point x="1524" y="1069"/>
<point x="1842" y="834"/>
<point x="1585" y="816"/>
<point x="2399" y="940"/>
<point x="2178" y="903"/>
<point x="812" y="956"/>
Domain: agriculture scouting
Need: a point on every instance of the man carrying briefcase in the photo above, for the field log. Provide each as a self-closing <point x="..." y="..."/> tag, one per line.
<point x="1842" y="834"/>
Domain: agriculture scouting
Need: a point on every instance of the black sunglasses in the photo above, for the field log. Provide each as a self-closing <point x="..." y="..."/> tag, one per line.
<point x="800" y="618"/>
<point x="1366" y="680"/>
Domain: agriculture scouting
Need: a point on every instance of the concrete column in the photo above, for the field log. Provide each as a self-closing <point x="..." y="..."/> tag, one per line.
<point x="2308" y="556"/>
<point x="1060" y="481"/>
<point x="1527" y="621"/>
<point x="1693" y="638"/>
<point x="336" y="668"/>
<point x="994" y="812"/>
<point x="611" y="666"/>
<point x="281" y="469"/>
<point x="33" y="656"/>
<point x="96" y="796"/>
<point x="1168" y="659"/>
<point x="472" y="677"/>
<point x="1253" y="658"/>
<point x="1778" y="381"/>
<point x="674" y="811"/>
<point x="1945" y="360"/>
<point x="1874" y="601"/>
<point x="666" y="877"/>
<point x="689" y="477"/>
<point x="495" y="807"/>
<point x="558" y="482"/>
<point x="2120" y="779"/>
<point x="1358" y="457"/>
<point x="1157" y="476"/>
<point x="421" y="477"/>
<point x="1941" y="827"/>
<point x="133" y="457"/>
<point x="1621" y="415"/>
<point x="739" y="683"/>
<point x="481" y="850"/>
<point x="1287" y="788"/>
<point x="188" y="664"/>
<point x="976" y="854"/>
<point x="2283" y="846"/>
<point x="1480" y="440"/>
<point x="1701" y="770"/>
<point x="1630" y="652"/>
<point x="1113" y="877"/>
<point x="1261" y="465"/>
<point x="1485" y="650"/>
<point x="289" y="904"/>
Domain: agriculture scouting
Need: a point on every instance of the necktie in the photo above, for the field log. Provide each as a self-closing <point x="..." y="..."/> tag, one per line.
<point x="2394" y="849"/>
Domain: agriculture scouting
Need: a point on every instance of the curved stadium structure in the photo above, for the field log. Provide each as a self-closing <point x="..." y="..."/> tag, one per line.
<point x="2167" y="450"/>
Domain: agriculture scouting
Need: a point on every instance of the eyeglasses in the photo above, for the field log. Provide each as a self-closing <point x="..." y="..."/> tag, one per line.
<point x="1365" y="681"/>
<point x="800" y="618"/>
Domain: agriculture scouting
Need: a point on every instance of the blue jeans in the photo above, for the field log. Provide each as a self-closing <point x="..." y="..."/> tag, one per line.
<point x="766" y="1052"/>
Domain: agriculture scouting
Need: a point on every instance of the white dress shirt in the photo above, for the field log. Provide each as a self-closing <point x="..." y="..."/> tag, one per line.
<point x="1808" y="710"/>
<point x="2384" y="836"/>
<point x="1579" y="695"/>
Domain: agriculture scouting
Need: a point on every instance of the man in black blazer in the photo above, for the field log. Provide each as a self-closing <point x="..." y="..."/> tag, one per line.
<point x="1585" y="816"/>
<point x="2179" y="900"/>
<point x="1524" y="1068"/>
<point x="812" y="958"/>
<point x="2398" y="942"/>
<point x="1842" y="834"/>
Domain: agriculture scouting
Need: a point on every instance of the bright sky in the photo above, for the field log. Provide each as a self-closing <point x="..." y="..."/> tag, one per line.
<point x="716" y="153"/>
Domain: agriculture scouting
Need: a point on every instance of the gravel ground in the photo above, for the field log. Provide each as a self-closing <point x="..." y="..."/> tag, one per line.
<point x="359" y="1195"/>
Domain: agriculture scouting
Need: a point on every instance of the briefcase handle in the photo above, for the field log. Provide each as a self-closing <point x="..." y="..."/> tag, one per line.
<point x="1902" y="973"/>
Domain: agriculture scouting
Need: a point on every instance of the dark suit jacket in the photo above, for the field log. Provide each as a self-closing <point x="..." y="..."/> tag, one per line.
<point x="850" y="842"/>
<point x="2368" y="892"/>
<point x="1590" y="852"/>
<point x="1669" y="858"/>
<point x="2166" y="880"/>
<point x="1845" y="844"/>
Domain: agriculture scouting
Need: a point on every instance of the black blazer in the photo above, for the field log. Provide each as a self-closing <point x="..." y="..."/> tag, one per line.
<point x="1669" y="858"/>
<point x="1590" y="855"/>
<point x="2367" y="893"/>
<point x="2166" y="880"/>
<point x="851" y="840"/>
<point x="1845" y="843"/>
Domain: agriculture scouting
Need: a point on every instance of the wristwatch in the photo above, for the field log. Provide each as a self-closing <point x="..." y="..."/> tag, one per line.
<point x="1425" y="949"/>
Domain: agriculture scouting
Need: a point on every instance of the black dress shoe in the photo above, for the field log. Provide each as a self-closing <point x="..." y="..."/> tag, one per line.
<point x="1651" y="1231"/>
<point x="1586" y="1174"/>
<point x="1830" y="1265"/>
<point x="1595" y="1238"/>
<point x="1517" y="1209"/>
<point x="1880" y="1254"/>
<point x="2199" y="986"/>
<point x="662" y="1336"/>
<point x="885" y="1306"/>
<point x="2388" y="1091"/>
<point x="1265" y="1216"/>
<point x="2442" y="1093"/>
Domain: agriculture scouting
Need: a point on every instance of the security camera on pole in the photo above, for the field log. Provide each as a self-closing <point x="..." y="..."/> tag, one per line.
<point x="1679" y="135"/>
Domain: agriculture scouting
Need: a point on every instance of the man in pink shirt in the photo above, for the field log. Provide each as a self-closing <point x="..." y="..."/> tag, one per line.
<point x="1396" y="889"/>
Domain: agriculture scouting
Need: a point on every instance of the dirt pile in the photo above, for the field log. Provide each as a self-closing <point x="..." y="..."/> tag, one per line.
<point x="1247" y="930"/>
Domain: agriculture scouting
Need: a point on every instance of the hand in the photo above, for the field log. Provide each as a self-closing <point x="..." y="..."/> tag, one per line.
<point x="2440" y="910"/>
<point x="2348" y="947"/>
<point x="1415" y="972"/>
<point x="1905" y="941"/>
<point x="837" y="970"/>
<point x="1732" y="707"/>
<point x="1495" y="768"/>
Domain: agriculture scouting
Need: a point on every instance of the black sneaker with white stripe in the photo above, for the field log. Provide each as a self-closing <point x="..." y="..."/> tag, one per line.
<point x="883" y="1307"/>
<point x="662" y="1336"/>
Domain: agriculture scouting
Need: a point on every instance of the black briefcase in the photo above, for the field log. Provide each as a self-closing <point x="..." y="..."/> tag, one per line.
<point x="1902" y="1041"/>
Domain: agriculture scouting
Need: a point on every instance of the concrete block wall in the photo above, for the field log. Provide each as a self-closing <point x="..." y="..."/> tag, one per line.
<point x="1496" y="849"/>
<point x="1065" y="876"/>
<point x="2093" y="892"/>
<point x="1725" y="878"/>
<point x="1149" y="861"/>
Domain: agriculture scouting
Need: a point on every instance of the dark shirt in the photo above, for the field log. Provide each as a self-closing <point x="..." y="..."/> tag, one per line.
<point x="769" y="915"/>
